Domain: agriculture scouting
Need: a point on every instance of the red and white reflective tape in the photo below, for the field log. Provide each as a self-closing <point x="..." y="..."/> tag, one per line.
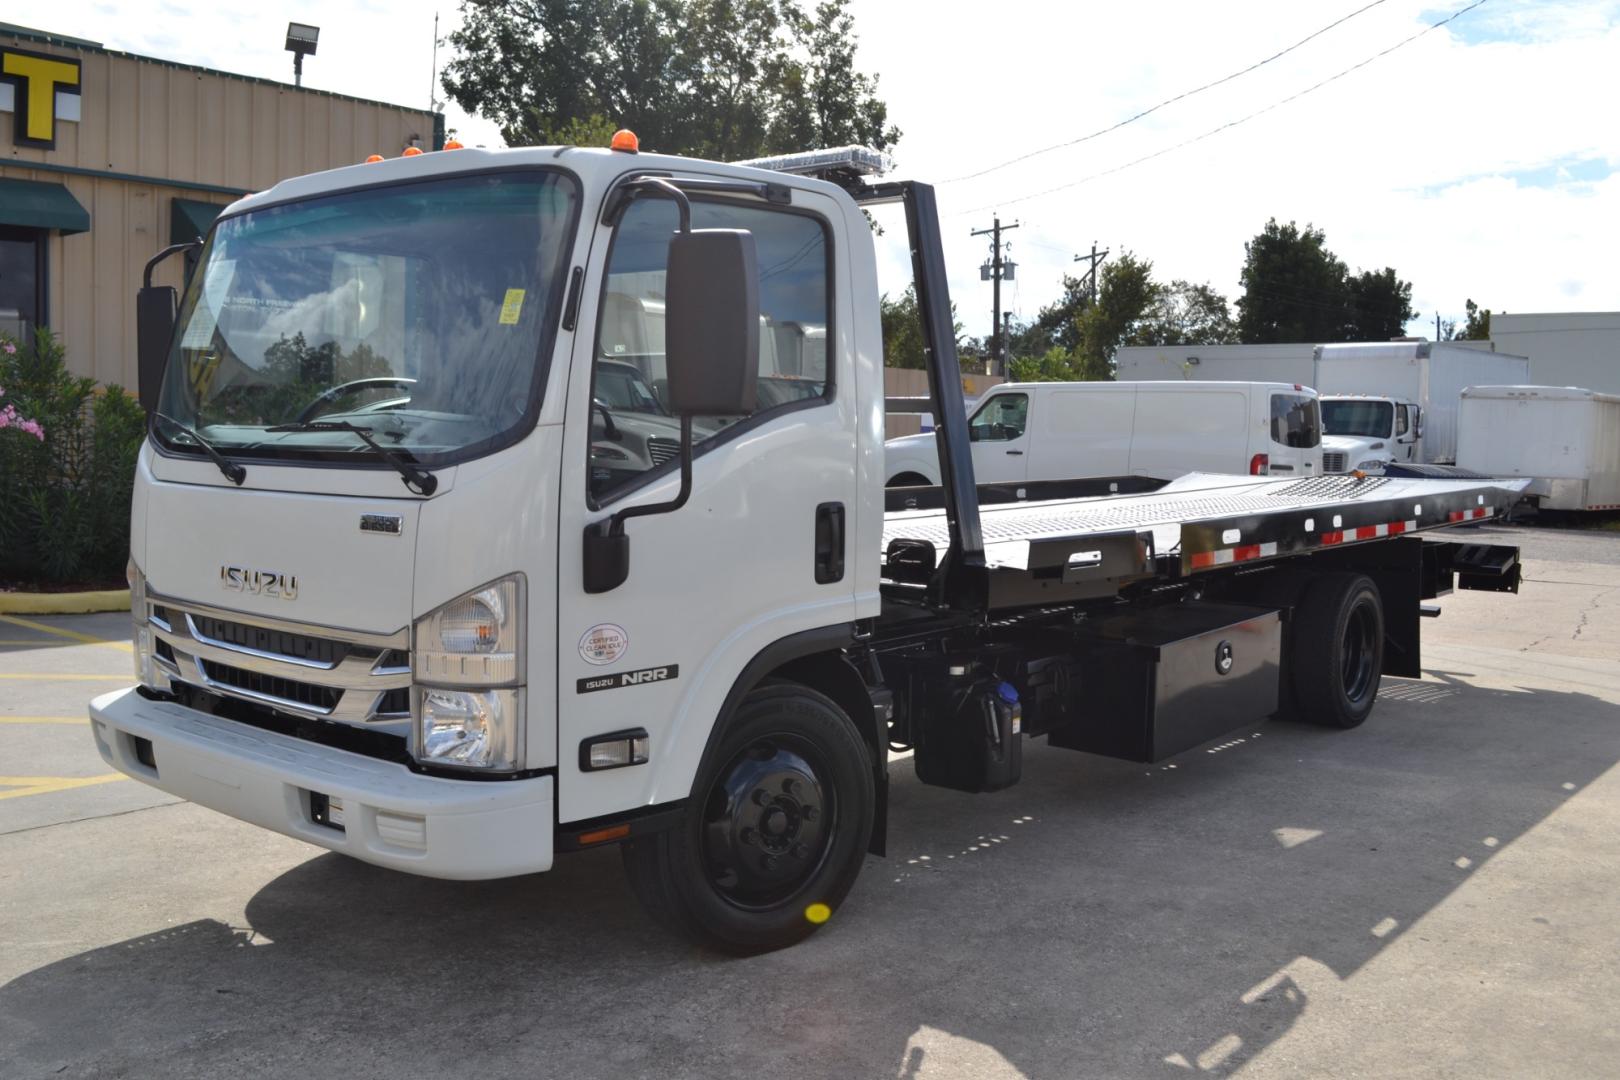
<point x="1369" y="532"/>
<point x="1241" y="553"/>
<point x="1469" y="515"/>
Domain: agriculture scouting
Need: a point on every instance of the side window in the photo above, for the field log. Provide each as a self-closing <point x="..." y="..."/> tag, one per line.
<point x="632" y="431"/>
<point x="1296" y="421"/>
<point x="1001" y="419"/>
<point x="1402" y="424"/>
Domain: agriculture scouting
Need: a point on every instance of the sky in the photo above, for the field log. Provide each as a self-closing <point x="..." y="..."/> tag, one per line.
<point x="1481" y="160"/>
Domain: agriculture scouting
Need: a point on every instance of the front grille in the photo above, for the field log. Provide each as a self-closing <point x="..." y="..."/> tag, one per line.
<point x="314" y="672"/>
<point x="319" y="698"/>
<point x="1334" y="461"/>
<point x="662" y="450"/>
<point x="314" y="650"/>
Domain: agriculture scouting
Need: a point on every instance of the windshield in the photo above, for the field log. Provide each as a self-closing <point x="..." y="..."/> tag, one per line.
<point x="621" y="388"/>
<point x="422" y="311"/>
<point x="1357" y="418"/>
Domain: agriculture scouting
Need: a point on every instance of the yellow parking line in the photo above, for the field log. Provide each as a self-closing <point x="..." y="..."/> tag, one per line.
<point x="116" y="678"/>
<point x="44" y="785"/>
<point x="44" y="719"/>
<point x="26" y="641"/>
<point x="71" y="635"/>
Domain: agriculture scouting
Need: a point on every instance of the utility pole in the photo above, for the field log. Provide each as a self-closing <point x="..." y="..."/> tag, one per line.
<point x="1095" y="259"/>
<point x="994" y="271"/>
<point x="1437" y="326"/>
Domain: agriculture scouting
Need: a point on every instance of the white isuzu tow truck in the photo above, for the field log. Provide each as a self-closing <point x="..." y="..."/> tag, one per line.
<point x="426" y="570"/>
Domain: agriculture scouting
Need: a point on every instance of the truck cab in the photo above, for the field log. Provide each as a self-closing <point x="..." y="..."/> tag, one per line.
<point x="1362" y="433"/>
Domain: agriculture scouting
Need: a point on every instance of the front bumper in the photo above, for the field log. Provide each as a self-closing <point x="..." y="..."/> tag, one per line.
<point x="428" y="825"/>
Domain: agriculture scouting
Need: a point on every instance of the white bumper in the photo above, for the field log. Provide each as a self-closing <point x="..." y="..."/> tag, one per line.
<point x="460" y="829"/>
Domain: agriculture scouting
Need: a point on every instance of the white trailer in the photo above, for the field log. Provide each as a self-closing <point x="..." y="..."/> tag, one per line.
<point x="1574" y="348"/>
<point x="1567" y="439"/>
<point x="1218" y="363"/>
<point x="1430" y="375"/>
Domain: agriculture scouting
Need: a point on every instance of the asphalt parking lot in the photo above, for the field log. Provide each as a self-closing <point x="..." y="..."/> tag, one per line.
<point x="1434" y="894"/>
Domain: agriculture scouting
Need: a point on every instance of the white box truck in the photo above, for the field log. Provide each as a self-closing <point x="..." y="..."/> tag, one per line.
<point x="1565" y="438"/>
<point x="445" y="631"/>
<point x="1428" y="375"/>
<point x="1295" y="363"/>
<point x="1069" y="430"/>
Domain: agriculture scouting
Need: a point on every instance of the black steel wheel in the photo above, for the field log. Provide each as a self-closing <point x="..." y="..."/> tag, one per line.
<point x="1336" y="652"/>
<point x="774" y="834"/>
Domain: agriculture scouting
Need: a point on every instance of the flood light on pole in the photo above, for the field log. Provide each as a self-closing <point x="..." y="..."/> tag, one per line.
<point x="301" y="40"/>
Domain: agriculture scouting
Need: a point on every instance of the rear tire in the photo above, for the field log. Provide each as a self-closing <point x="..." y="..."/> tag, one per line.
<point x="1336" y="652"/>
<point x="774" y="833"/>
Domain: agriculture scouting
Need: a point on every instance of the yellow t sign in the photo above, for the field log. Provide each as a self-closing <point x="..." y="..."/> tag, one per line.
<point x="36" y="77"/>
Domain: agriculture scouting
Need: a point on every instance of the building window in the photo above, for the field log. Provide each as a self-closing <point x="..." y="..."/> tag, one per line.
<point x="22" y="281"/>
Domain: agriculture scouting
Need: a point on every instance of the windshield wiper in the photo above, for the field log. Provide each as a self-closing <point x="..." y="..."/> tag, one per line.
<point x="233" y="472"/>
<point x="418" y="480"/>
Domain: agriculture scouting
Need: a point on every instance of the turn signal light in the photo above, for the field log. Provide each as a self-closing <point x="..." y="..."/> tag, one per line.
<point x="411" y="151"/>
<point x="625" y="140"/>
<point x="373" y="157"/>
<point x="614" y="751"/>
<point x="452" y="144"/>
<point x="602" y="836"/>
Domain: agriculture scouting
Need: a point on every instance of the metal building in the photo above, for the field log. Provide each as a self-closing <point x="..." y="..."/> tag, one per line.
<point x="109" y="156"/>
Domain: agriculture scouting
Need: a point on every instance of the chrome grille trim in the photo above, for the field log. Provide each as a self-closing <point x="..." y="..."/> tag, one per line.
<point x="358" y="679"/>
<point x="1335" y="461"/>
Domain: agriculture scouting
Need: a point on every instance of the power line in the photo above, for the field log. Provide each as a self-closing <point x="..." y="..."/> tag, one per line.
<point x="1229" y="124"/>
<point x="1167" y="101"/>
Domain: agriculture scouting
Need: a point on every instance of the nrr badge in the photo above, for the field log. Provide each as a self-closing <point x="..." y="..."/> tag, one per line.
<point x="604" y="643"/>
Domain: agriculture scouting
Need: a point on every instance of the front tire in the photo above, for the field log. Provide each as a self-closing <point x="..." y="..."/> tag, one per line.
<point x="1336" y="656"/>
<point x="775" y="831"/>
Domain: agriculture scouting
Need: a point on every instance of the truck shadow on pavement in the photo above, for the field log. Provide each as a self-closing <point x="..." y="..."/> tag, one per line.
<point x="1100" y="919"/>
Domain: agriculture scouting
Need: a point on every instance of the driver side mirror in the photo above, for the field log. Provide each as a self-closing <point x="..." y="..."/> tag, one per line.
<point x="975" y="433"/>
<point x="711" y="323"/>
<point x="154" y="327"/>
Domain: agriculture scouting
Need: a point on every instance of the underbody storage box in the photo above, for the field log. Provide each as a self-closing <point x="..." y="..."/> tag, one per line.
<point x="1162" y="681"/>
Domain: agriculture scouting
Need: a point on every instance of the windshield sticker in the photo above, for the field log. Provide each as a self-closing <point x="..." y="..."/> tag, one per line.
<point x="604" y="643"/>
<point x="512" y="307"/>
<point x="205" y="316"/>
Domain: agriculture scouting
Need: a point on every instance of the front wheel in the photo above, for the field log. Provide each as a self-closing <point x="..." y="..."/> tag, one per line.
<point x="775" y="831"/>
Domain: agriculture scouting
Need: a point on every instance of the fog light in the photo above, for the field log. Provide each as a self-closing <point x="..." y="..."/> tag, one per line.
<point x="615" y="750"/>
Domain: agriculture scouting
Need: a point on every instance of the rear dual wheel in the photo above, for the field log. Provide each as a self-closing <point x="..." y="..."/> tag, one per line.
<point x="1336" y="651"/>
<point x="775" y="831"/>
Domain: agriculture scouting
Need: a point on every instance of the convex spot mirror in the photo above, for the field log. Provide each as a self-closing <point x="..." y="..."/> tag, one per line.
<point x="711" y="323"/>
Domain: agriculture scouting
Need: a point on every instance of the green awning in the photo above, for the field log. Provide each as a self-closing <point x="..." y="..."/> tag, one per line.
<point x="189" y="219"/>
<point x="34" y="205"/>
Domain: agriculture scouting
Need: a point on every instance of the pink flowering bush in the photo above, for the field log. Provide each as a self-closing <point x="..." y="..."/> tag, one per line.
<point x="67" y="465"/>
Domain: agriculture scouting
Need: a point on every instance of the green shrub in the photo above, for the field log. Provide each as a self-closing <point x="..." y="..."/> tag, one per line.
<point x="65" y="493"/>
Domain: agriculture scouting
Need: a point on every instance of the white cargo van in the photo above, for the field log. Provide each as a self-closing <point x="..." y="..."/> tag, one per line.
<point x="1030" y="432"/>
<point x="1566" y="438"/>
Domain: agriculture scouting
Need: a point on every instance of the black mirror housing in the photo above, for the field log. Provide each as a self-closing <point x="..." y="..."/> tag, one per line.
<point x="155" y="307"/>
<point x="711" y="323"/>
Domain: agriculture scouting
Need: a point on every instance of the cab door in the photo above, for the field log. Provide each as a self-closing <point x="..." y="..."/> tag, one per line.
<point x="999" y="434"/>
<point x="761" y="550"/>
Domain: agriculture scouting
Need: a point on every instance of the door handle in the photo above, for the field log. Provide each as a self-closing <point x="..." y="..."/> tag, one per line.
<point x="1015" y="453"/>
<point x="829" y="543"/>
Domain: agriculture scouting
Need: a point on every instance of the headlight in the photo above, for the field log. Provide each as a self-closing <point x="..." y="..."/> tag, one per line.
<point x="474" y="729"/>
<point x="1376" y="465"/>
<point x="467" y="667"/>
<point x="140" y="629"/>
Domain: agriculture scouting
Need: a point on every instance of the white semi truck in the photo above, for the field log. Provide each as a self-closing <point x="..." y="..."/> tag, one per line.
<point x="395" y="595"/>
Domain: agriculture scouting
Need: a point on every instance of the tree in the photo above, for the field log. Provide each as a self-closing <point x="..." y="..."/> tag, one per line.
<point x="1057" y="324"/>
<point x="1057" y="364"/>
<point x="903" y="334"/>
<point x="1125" y="293"/>
<point x="1293" y="288"/>
<point x="1478" y="326"/>
<point x="722" y="79"/>
<point x="1379" y="303"/>
<point x="1296" y="290"/>
<point x="1185" y="314"/>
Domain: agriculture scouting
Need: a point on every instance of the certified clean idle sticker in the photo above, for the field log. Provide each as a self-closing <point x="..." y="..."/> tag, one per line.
<point x="604" y="643"/>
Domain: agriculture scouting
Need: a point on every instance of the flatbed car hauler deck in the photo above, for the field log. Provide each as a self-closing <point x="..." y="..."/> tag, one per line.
<point x="472" y="528"/>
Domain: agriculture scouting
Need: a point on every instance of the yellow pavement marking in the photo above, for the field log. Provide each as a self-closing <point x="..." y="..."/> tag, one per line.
<point x="126" y="677"/>
<point x="44" y="719"/>
<point x="71" y="635"/>
<point x="44" y="785"/>
<point x="27" y="641"/>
